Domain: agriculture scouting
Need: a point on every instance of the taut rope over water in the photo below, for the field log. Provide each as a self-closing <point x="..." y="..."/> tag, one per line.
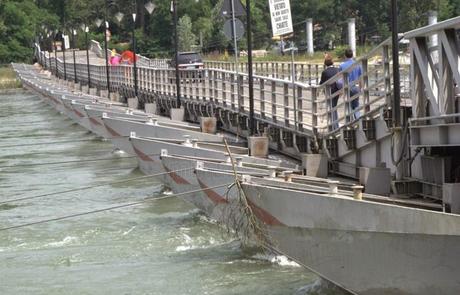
<point x="91" y="186"/>
<point x="109" y="208"/>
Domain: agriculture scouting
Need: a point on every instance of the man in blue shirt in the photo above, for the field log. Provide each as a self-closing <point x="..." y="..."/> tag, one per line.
<point x="353" y="78"/>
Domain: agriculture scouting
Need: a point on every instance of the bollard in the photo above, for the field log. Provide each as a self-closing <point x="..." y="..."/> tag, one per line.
<point x="272" y="171"/>
<point x="194" y="142"/>
<point x="357" y="192"/>
<point x="288" y="176"/>
<point x="199" y="165"/>
<point x="187" y="141"/>
<point x="333" y="187"/>
<point x="152" y="121"/>
<point x="239" y="161"/>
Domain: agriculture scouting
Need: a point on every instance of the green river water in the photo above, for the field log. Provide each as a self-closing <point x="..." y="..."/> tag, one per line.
<point x="159" y="247"/>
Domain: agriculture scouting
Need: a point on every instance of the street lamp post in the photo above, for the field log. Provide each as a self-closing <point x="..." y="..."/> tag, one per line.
<point x="106" y="27"/>
<point x="87" y="55"/>
<point x="176" y="54"/>
<point x="74" y="35"/>
<point x="40" y="51"/>
<point x="46" y="66"/>
<point x="136" y="88"/>
<point x="55" y="56"/>
<point x="63" y="54"/>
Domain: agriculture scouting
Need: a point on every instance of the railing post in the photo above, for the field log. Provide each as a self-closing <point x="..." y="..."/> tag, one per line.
<point x="232" y="89"/>
<point x="317" y="74"/>
<point x="274" y="107"/>
<point x="365" y="78"/>
<point x="386" y="73"/>
<point x="286" y="104"/>
<point x="347" y="104"/>
<point x="216" y="86"/>
<point x="210" y="85"/>
<point x="329" y="109"/>
<point x="224" y="90"/>
<point x="282" y="71"/>
<point x="262" y="98"/>
<point x="240" y="93"/>
<point x="299" y="108"/>
<point x="314" y="110"/>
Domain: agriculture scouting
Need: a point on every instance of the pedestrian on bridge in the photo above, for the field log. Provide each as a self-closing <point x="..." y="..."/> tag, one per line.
<point x="327" y="74"/>
<point x="353" y="78"/>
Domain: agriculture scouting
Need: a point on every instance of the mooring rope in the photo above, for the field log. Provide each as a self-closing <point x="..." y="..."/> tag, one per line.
<point x="45" y="143"/>
<point x="92" y="186"/>
<point x="67" y="162"/>
<point x="111" y="208"/>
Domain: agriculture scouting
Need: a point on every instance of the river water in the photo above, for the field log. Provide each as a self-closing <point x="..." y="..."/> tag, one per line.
<point x="159" y="247"/>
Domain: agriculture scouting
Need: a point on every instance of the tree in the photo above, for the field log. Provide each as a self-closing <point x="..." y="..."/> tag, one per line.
<point x="184" y="32"/>
<point x="20" y="24"/>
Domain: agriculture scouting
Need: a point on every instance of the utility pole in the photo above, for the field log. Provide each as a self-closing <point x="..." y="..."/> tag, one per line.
<point x="252" y="123"/>
<point x="136" y="88"/>
<point x="87" y="56"/>
<point x="63" y="53"/>
<point x="55" y="56"/>
<point x="396" y="105"/>
<point x="176" y="54"/>
<point x="309" y="32"/>
<point x="74" y="34"/>
<point x="106" y="27"/>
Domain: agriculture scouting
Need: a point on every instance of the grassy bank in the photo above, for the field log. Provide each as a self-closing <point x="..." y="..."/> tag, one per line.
<point x="8" y="79"/>
<point x="316" y="58"/>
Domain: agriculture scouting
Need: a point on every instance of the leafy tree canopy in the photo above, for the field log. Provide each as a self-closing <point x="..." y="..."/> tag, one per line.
<point x="22" y="21"/>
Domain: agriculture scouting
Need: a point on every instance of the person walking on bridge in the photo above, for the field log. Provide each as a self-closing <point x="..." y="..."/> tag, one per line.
<point x="327" y="74"/>
<point x="353" y="78"/>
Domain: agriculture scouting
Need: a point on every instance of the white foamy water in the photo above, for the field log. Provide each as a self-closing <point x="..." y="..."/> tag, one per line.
<point x="276" y="259"/>
<point x="63" y="242"/>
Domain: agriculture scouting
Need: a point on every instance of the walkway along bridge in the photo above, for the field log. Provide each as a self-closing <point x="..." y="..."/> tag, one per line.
<point x="298" y="116"/>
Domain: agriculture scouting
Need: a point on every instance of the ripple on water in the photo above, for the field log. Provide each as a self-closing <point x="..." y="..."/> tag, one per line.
<point x="160" y="247"/>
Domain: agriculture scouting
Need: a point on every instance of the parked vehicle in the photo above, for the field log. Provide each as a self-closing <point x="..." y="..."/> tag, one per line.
<point x="188" y="60"/>
<point x="190" y="67"/>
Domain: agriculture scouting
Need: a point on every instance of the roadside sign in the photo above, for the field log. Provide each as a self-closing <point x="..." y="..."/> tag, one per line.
<point x="280" y="12"/>
<point x="226" y="10"/>
<point x="66" y="41"/>
<point x="228" y="28"/>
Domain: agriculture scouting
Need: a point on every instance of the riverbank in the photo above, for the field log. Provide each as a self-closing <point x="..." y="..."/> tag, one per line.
<point x="8" y="79"/>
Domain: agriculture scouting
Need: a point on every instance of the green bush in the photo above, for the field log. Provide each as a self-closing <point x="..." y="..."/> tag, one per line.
<point x="339" y="51"/>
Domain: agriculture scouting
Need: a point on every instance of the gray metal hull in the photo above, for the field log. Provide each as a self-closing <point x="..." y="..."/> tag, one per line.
<point x="95" y="120"/>
<point x="80" y="113"/>
<point x="185" y="181"/>
<point x="119" y="130"/>
<point x="365" y="247"/>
